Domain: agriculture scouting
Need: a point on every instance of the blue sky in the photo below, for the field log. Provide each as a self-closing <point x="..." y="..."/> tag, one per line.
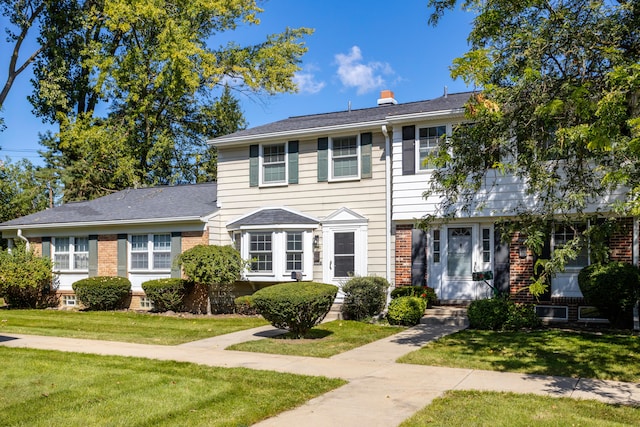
<point x="358" y="48"/>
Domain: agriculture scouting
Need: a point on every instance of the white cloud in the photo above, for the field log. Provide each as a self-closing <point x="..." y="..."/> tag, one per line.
<point x="352" y="72"/>
<point x="307" y="83"/>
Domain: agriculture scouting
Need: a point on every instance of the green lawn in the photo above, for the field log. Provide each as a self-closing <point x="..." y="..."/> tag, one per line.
<point x="122" y="326"/>
<point x="49" y="388"/>
<point x="325" y="340"/>
<point x="546" y="352"/>
<point x="474" y="408"/>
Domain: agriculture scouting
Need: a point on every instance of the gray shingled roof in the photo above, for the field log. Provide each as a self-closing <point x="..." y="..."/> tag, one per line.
<point x="181" y="201"/>
<point x="444" y="103"/>
<point x="272" y="217"/>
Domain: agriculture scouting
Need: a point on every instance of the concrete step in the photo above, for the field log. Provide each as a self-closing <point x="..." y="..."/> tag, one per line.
<point x="445" y="316"/>
<point x="335" y="313"/>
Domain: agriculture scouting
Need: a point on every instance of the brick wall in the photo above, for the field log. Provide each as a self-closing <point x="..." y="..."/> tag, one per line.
<point x="621" y="242"/>
<point x="403" y="255"/>
<point x="108" y="255"/>
<point x="520" y="271"/>
<point x="194" y="238"/>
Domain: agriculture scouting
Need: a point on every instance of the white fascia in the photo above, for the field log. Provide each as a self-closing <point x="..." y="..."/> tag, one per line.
<point x="272" y="226"/>
<point x="298" y="133"/>
<point x="104" y="223"/>
<point x="455" y="112"/>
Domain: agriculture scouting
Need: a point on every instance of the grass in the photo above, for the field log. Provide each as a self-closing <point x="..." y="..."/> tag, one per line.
<point x="325" y="340"/>
<point x="122" y="326"/>
<point x="474" y="408"/>
<point x="48" y="388"/>
<point x="545" y="352"/>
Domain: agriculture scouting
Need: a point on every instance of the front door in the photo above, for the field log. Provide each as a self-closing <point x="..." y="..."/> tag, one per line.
<point x="343" y="255"/>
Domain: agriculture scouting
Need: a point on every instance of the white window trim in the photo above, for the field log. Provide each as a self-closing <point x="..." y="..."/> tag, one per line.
<point x="149" y="251"/>
<point x="332" y="178"/>
<point x="360" y="250"/>
<point x="279" y="270"/>
<point x="418" y="164"/>
<point x="261" y="181"/>
<point x="570" y="268"/>
<point x="71" y="254"/>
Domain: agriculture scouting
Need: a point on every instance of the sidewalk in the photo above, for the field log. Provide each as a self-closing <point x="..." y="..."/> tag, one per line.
<point x="380" y="392"/>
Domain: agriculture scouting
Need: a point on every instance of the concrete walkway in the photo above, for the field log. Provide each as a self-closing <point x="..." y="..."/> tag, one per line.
<point x="379" y="392"/>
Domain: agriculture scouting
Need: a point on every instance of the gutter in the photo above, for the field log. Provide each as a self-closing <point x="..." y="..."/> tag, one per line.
<point x="19" y="233"/>
<point x="106" y="223"/>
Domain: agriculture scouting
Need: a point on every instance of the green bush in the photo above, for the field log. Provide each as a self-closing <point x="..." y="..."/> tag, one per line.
<point x="102" y="292"/>
<point x="364" y="297"/>
<point x="424" y="292"/>
<point x="26" y="280"/>
<point x="500" y="313"/>
<point x="245" y="305"/>
<point x="406" y="310"/>
<point x="167" y="294"/>
<point x="295" y="306"/>
<point x="612" y="288"/>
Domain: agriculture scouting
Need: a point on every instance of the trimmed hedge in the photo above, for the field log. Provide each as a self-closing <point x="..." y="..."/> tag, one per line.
<point x="424" y="292"/>
<point x="167" y="294"/>
<point x="245" y="305"/>
<point x="296" y="306"/>
<point x="102" y="292"/>
<point x="613" y="288"/>
<point x="500" y="313"/>
<point x="364" y="297"/>
<point x="406" y="310"/>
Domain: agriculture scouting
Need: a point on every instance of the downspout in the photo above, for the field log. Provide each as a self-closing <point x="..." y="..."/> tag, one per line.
<point x="23" y="238"/>
<point x="387" y="165"/>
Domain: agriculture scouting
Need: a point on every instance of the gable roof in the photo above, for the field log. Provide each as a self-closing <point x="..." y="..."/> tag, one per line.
<point x="153" y="204"/>
<point x="272" y="217"/>
<point x="374" y="116"/>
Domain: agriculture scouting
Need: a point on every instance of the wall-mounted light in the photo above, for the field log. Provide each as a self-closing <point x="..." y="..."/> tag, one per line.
<point x="522" y="248"/>
<point x="316" y="241"/>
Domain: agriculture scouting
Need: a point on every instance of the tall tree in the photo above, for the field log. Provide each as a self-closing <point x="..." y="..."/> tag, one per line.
<point x="558" y="107"/>
<point x="152" y="67"/>
<point x="24" y="189"/>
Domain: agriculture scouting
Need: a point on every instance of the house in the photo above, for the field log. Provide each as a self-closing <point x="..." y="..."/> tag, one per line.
<point x="322" y="198"/>
<point x="135" y="233"/>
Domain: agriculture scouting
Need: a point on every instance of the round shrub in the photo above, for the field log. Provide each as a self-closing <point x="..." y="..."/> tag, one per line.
<point x="424" y="292"/>
<point x="102" y="292"/>
<point x="612" y="288"/>
<point x="406" y="311"/>
<point x="501" y="314"/>
<point x="167" y="294"/>
<point x="245" y="305"/>
<point x="364" y="297"/>
<point x="296" y="306"/>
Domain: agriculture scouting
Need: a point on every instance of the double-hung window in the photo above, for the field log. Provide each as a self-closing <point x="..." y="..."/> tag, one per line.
<point x="71" y="253"/>
<point x="295" y="251"/>
<point x="151" y="252"/>
<point x="429" y="140"/>
<point x="344" y="157"/>
<point x="274" y="164"/>
<point x="565" y="233"/>
<point x="260" y="252"/>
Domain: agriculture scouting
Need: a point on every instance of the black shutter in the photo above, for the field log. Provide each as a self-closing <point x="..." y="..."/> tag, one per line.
<point x="418" y="257"/>
<point x="254" y="172"/>
<point x="293" y="162"/>
<point x="323" y="159"/>
<point x="501" y="262"/>
<point x="408" y="150"/>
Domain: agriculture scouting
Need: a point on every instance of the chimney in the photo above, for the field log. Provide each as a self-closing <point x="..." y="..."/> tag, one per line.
<point x="386" y="98"/>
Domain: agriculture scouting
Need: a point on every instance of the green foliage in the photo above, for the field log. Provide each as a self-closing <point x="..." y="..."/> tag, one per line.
<point x="102" y="292"/>
<point x="297" y="306"/>
<point x="24" y="189"/>
<point x="406" y="310"/>
<point x="424" y="292"/>
<point x="558" y="110"/>
<point x="167" y="294"/>
<point x="500" y="313"/>
<point x="612" y="288"/>
<point x="217" y="267"/>
<point x="245" y="305"/>
<point x="26" y="280"/>
<point x="364" y="297"/>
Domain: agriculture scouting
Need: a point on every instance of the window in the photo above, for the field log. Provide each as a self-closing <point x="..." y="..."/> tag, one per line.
<point x="260" y="252"/>
<point x="294" y="251"/>
<point x="71" y="253"/>
<point x="274" y="164"/>
<point x="151" y="252"/>
<point x="436" y="246"/>
<point x="344" y="157"/>
<point x="146" y="303"/>
<point x="486" y="245"/>
<point x="69" y="300"/>
<point x="344" y="254"/>
<point x="429" y="140"/>
<point x="565" y="233"/>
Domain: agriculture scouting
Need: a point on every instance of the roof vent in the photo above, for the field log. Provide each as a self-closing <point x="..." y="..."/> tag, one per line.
<point x="386" y="98"/>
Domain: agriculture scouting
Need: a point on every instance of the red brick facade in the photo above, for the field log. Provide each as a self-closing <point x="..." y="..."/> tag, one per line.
<point x="403" y="255"/>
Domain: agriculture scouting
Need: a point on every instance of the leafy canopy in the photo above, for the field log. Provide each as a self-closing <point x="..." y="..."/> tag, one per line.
<point x="557" y="105"/>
